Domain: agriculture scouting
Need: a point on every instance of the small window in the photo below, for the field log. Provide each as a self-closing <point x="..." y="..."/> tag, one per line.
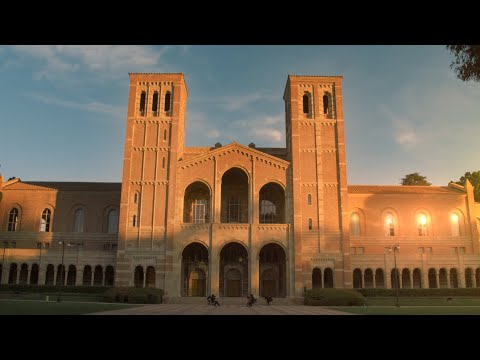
<point x="353" y="251"/>
<point x="306" y="105"/>
<point x="325" y="104"/>
<point x="455" y="250"/>
<point x="163" y="162"/>
<point x="165" y="135"/>
<point x="389" y="225"/>
<point x="78" y="222"/>
<point x="422" y="224"/>
<point x="461" y="250"/>
<point x="45" y="223"/>
<point x="354" y="225"/>
<point x="142" y="103"/>
<point x="454" y="224"/>
<point x="112" y="227"/>
<point x="135" y="198"/>
<point x="155" y="104"/>
<point x="309" y="199"/>
<point x="167" y="101"/>
<point x="13" y="220"/>
<point x="310" y="224"/>
<point x="134" y="221"/>
<point x="360" y="250"/>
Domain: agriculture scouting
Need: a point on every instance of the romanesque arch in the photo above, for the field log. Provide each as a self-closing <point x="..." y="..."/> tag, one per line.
<point x="406" y="279"/>
<point x="453" y="278"/>
<point x="379" y="278"/>
<point x="357" y="279"/>
<point x="234" y="207"/>
<point x="196" y="203"/>
<point x="273" y="280"/>
<point x="49" y="275"/>
<point x="234" y="270"/>
<point x="272" y="204"/>
<point x="87" y="275"/>
<point x="417" y="278"/>
<point x="194" y="270"/>
<point x="368" y="279"/>
<point x="109" y="276"/>
<point x="432" y="278"/>
<point x="23" y="278"/>
<point x="138" y="277"/>
<point x="34" y="274"/>
<point x="72" y="275"/>
<point x="328" y="278"/>
<point x="316" y="278"/>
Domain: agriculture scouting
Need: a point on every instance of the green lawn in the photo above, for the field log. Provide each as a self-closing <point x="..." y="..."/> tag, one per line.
<point x="410" y="310"/>
<point x="423" y="301"/>
<point x="31" y="307"/>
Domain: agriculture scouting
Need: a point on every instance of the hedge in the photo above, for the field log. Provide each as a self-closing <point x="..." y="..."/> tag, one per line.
<point x="54" y="288"/>
<point x="333" y="297"/>
<point x="133" y="295"/>
<point x="420" y="292"/>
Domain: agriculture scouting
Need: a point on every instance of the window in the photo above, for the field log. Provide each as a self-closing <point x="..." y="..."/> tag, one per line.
<point x="155" y="104"/>
<point x="142" y="103"/>
<point x="112" y="227"/>
<point x="354" y="225"/>
<point x="353" y="251"/>
<point x="325" y="104"/>
<point x="199" y="210"/>
<point x="167" y="101"/>
<point x="46" y="245"/>
<point x="78" y="223"/>
<point x="165" y="135"/>
<point x="135" y="198"/>
<point x="134" y="220"/>
<point x="233" y="209"/>
<point x="306" y="103"/>
<point x="45" y="223"/>
<point x="422" y="224"/>
<point x="310" y="224"/>
<point x="13" y="220"/>
<point x="163" y="162"/>
<point x="461" y="250"/>
<point x="268" y="212"/>
<point x="455" y="250"/>
<point x="360" y="250"/>
<point x="454" y="224"/>
<point x="309" y="199"/>
<point x="389" y="225"/>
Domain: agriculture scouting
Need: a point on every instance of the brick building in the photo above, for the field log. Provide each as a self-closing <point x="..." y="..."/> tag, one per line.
<point x="235" y="219"/>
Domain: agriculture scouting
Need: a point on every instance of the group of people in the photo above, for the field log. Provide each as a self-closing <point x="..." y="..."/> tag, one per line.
<point x="250" y="300"/>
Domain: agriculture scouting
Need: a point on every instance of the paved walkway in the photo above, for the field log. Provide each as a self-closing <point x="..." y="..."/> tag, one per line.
<point x="191" y="309"/>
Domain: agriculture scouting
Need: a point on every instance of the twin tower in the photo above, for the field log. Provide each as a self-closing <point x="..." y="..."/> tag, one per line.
<point x="234" y="219"/>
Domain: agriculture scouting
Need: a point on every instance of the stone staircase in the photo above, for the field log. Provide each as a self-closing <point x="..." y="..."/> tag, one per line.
<point x="230" y="300"/>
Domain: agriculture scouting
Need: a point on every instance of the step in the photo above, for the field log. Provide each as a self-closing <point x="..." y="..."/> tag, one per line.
<point x="230" y="300"/>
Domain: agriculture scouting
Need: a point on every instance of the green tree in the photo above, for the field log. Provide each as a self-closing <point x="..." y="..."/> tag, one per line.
<point x="467" y="61"/>
<point x="415" y="179"/>
<point x="474" y="179"/>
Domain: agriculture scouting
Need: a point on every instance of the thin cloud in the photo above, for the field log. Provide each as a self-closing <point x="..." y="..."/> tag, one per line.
<point x="93" y="106"/>
<point x="213" y="134"/>
<point x="404" y="132"/>
<point x="235" y="103"/>
<point x="107" y="61"/>
<point x="265" y="129"/>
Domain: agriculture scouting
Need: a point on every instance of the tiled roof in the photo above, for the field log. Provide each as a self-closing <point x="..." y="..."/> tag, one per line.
<point x="64" y="186"/>
<point x="401" y="189"/>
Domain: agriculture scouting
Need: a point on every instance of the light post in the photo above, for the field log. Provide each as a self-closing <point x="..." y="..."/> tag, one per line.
<point x="62" y="272"/>
<point x="395" y="249"/>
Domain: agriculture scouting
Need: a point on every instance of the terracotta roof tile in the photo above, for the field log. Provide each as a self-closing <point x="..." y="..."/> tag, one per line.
<point x="401" y="189"/>
<point x="64" y="186"/>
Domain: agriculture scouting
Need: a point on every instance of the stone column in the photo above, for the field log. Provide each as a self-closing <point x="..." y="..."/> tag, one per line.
<point x="363" y="279"/>
<point x="448" y="279"/>
<point x="254" y="273"/>
<point x="18" y="275"/>
<point x="374" y="282"/>
<point x="215" y="273"/>
<point x="79" y="277"/>
<point x="92" y="277"/>
<point x="411" y="279"/>
<point x="29" y="273"/>
<point x="437" y="276"/>
<point x="388" y="278"/>
<point x="144" y="277"/>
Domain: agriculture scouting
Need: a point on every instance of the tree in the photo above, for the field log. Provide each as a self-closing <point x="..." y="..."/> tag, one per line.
<point x="415" y="179"/>
<point x="467" y="61"/>
<point x="474" y="179"/>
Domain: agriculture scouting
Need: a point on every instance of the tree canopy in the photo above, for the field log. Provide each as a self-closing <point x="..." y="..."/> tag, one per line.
<point x="474" y="178"/>
<point x="415" y="179"/>
<point x="467" y="61"/>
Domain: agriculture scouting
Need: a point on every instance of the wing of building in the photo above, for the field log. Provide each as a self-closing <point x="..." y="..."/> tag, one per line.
<point x="234" y="219"/>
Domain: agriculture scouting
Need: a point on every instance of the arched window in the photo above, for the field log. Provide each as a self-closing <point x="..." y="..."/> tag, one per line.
<point x="310" y="224"/>
<point x="155" y="104"/>
<point x="422" y="224"/>
<point x="13" y="220"/>
<point x="134" y="220"/>
<point x="455" y="224"/>
<point x="309" y="199"/>
<point x="45" y="223"/>
<point x="389" y="225"/>
<point x="163" y="162"/>
<point x="325" y="104"/>
<point x="268" y="212"/>
<point x="354" y="225"/>
<point x="78" y="223"/>
<point x="135" y="198"/>
<point x="143" y="97"/>
<point x="167" y="101"/>
<point x="112" y="227"/>
<point x="165" y="135"/>
<point x="306" y="103"/>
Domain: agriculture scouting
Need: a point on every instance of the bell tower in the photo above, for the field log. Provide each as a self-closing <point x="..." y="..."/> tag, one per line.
<point x="154" y="143"/>
<point x="317" y="179"/>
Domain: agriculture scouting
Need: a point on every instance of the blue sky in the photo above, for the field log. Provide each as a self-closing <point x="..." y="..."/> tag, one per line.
<point x="63" y="108"/>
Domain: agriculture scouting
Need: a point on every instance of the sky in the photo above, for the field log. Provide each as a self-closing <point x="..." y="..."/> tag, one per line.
<point x="63" y="107"/>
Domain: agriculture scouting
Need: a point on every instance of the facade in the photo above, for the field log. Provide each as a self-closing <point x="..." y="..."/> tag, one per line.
<point x="234" y="219"/>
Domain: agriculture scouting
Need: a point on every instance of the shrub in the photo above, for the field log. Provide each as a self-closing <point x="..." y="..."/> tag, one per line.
<point x="52" y="289"/>
<point x="420" y="292"/>
<point x="133" y="295"/>
<point x="333" y="297"/>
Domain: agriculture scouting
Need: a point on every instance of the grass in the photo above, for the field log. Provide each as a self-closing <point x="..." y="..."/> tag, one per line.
<point x="410" y="310"/>
<point x="423" y="301"/>
<point x="32" y="307"/>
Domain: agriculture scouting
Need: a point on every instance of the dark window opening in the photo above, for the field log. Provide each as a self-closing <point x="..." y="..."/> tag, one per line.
<point x="167" y="101"/>
<point x="155" y="104"/>
<point x="142" y="103"/>
<point x="306" y="107"/>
